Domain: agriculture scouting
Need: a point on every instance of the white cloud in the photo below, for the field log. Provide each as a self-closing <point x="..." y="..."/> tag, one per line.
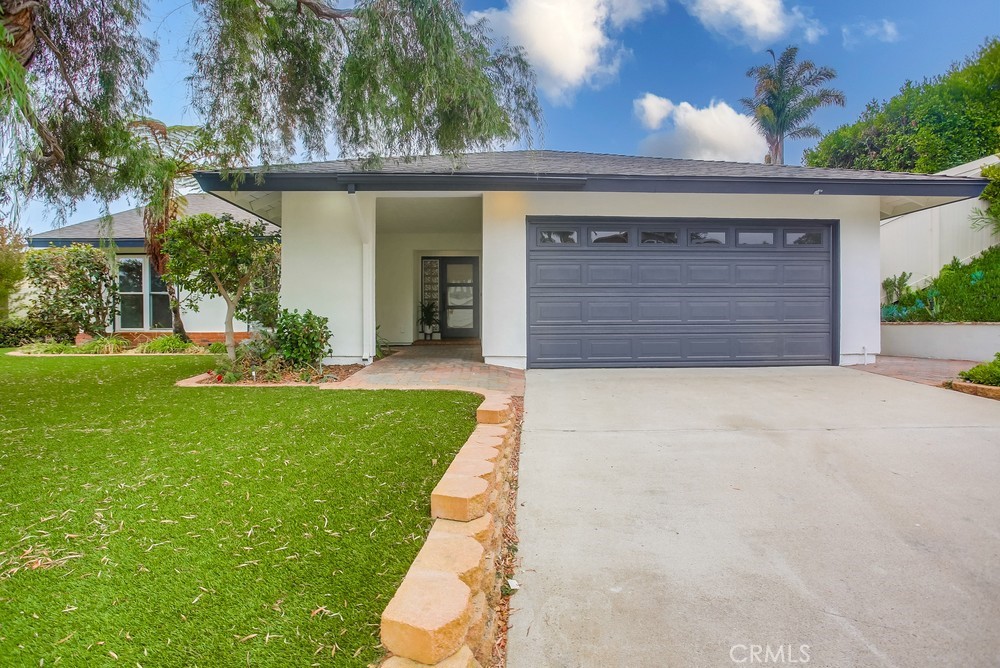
<point x="652" y="110"/>
<point x="569" y="42"/>
<point x="882" y="30"/>
<point x="715" y="132"/>
<point x="755" y="22"/>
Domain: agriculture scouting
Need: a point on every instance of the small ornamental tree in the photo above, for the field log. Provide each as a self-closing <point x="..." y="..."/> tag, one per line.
<point x="216" y="255"/>
<point x="74" y="285"/>
<point x="259" y="305"/>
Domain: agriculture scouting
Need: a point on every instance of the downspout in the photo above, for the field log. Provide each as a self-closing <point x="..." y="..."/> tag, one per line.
<point x="365" y="227"/>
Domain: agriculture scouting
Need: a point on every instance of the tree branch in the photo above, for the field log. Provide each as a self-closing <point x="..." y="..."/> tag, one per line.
<point x="60" y="59"/>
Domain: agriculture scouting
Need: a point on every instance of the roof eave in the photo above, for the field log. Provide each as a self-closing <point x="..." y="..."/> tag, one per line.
<point x="954" y="187"/>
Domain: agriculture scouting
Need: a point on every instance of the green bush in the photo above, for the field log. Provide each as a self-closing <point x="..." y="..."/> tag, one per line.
<point x="960" y="293"/>
<point x="16" y="332"/>
<point x="104" y="345"/>
<point x="49" y="349"/>
<point x="303" y="339"/>
<point x="987" y="373"/>
<point x="217" y="348"/>
<point x="171" y="343"/>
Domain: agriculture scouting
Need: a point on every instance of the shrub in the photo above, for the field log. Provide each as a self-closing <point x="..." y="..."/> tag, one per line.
<point x="104" y="345"/>
<point x="217" y="348"/>
<point x="48" y="348"/>
<point x="960" y="293"/>
<point x="16" y="332"/>
<point x="172" y="343"/>
<point x="303" y="339"/>
<point x="987" y="373"/>
<point x="74" y="284"/>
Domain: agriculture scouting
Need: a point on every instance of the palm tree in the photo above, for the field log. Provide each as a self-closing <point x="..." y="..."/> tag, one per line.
<point x="786" y="93"/>
<point x="176" y="153"/>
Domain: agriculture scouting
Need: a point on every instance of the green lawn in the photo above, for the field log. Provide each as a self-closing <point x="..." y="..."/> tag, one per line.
<point x="206" y="526"/>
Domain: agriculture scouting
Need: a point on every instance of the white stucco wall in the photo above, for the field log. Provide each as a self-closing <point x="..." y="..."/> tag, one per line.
<point x="322" y="262"/>
<point x="397" y="276"/>
<point x="505" y="262"/>
<point x="942" y="340"/>
<point x="323" y="247"/>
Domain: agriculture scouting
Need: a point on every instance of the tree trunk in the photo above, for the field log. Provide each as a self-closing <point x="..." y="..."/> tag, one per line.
<point x="230" y="333"/>
<point x="779" y="151"/>
<point x="18" y="18"/>
<point x="175" y="310"/>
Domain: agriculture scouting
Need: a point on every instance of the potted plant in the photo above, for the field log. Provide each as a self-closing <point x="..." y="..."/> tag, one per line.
<point x="428" y="318"/>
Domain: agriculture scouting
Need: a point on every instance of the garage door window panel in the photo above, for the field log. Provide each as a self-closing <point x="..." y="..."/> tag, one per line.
<point x="708" y="238"/>
<point x="558" y="237"/>
<point x="755" y="238"/>
<point x="609" y="237"/>
<point x="804" y="239"/>
<point x="654" y="238"/>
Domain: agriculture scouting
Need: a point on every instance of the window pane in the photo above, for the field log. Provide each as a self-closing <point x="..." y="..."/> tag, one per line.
<point x="130" y="275"/>
<point x="608" y="237"/>
<point x="557" y="237"/>
<point x="460" y="318"/>
<point x="658" y="237"/>
<point x="458" y="273"/>
<point x="699" y="238"/>
<point x="156" y="283"/>
<point x="755" y="238"/>
<point x="131" y="312"/>
<point x="459" y="295"/>
<point x="162" y="317"/>
<point x="804" y="238"/>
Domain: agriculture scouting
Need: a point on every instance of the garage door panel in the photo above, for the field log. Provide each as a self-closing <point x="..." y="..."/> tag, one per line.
<point x="561" y="274"/>
<point x="673" y="304"/>
<point x="699" y="273"/>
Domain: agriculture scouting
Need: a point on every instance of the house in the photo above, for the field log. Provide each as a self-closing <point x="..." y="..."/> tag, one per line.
<point x="145" y="307"/>
<point x="922" y="242"/>
<point x="557" y="259"/>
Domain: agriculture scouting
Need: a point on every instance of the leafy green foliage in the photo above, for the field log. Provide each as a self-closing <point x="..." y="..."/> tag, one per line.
<point x="388" y="77"/>
<point x="945" y="121"/>
<point x="960" y="293"/>
<point x="12" y="246"/>
<point x="260" y="301"/>
<point x="989" y="218"/>
<point x="895" y="287"/>
<point x="786" y="95"/>
<point x="50" y="348"/>
<point x="278" y="522"/>
<point x="217" y="348"/>
<point x="73" y="284"/>
<point x="211" y="255"/>
<point x="104" y="345"/>
<point x="428" y="314"/>
<point x="17" y="332"/>
<point x="303" y="339"/>
<point x="385" y="77"/>
<point x="987" y="373"/>
<point x="171" y="343"/>
<point x="72" y="80"/>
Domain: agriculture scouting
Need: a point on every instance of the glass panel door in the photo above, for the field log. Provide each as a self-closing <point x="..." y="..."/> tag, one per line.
<point x="459" y="297"/>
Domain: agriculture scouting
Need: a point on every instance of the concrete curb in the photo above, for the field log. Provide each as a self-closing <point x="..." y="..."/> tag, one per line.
<point x="430" y="621"/>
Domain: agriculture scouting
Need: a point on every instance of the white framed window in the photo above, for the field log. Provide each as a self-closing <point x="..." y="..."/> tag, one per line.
<point x="143" y="299"/>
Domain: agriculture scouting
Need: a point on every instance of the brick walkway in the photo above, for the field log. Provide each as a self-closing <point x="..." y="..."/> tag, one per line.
<point x="917" y="369"/>
<point x="442" y="366"/>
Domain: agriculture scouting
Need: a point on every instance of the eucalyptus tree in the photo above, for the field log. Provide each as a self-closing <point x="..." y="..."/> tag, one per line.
<point x="786" y="94"/>
<point x="268" y="77"/>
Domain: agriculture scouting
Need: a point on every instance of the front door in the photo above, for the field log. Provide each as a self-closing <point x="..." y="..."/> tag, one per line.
<point x="459" y="297"/>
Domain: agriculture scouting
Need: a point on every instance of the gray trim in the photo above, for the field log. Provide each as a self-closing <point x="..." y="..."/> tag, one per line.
<point x="62" y="242"/>
<point x="932" y="186"/>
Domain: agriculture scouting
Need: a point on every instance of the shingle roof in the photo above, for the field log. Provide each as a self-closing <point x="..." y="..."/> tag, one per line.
<point x="568" y="163"/>
<point x="128" y="224"/>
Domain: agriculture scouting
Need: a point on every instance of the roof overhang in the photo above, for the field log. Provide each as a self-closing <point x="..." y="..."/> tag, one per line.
<point x="260" y="194"/>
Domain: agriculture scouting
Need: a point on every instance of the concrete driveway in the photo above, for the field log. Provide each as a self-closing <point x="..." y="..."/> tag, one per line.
<point x="721" y="517"/>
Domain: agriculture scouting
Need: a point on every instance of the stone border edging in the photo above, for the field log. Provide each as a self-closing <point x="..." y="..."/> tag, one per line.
<point x="442" y="615"/>
<point x="18" y="353"/>
<point x="985" y="391"/>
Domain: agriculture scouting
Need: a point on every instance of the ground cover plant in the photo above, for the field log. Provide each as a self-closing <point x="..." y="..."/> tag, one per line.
<point x="960" y="293"/>
<point x="159" y="525"/>
<point x="987" y="373"/>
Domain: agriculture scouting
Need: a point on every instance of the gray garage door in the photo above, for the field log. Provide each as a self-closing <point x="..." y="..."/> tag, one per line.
<point x="617" y="293"/>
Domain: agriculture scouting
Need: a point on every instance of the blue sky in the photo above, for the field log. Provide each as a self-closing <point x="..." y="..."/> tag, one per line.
<point x="664" y="77"/>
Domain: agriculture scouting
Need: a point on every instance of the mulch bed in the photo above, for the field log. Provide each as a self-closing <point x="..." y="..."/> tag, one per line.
<point x="507" y="561"/>
<point x="332" y="373"/>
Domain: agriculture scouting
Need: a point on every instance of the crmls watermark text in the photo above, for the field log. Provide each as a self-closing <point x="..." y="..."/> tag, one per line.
<point x="762" y="654"/>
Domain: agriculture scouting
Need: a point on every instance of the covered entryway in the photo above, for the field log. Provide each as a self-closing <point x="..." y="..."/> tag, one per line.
<point x="625" y="292"/>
